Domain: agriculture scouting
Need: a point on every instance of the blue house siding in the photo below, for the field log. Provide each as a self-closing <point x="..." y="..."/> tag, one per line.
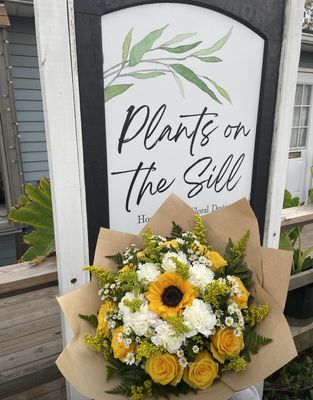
<point x="28" y="100"/>
<point x="7" y="250"/>
<point x="29" y="113"/>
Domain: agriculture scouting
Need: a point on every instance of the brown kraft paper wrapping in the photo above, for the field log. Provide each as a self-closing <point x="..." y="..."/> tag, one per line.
<point x="86" y="370"/>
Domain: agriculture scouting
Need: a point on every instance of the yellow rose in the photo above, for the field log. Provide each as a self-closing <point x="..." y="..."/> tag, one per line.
<point x="105" y="308"/>
<point x="201" y="373"/>
<point x="173" y="243"/>
<point x="118" y="347"/>
<point x="226" y="344"/>
<point x="164" y="369"/>
<point x="216" y="259"/>
<point x="242" y="299"/>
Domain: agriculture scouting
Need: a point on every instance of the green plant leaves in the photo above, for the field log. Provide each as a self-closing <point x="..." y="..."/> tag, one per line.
<point x="179" y="38"/>
<point x="216" y="46"/>
<point x="210" y="59"/>
<point x="115" y="90"/>
<point x="190" y="76"/>
<point x="126" y="46"/>
<point x="35" y="210"/>
<point x="221" y="91"/>
<point x="146" y="75"/>
<point x="181" y="49"/>
<point x="91" y="319"/>
<point x="139" y="49"/>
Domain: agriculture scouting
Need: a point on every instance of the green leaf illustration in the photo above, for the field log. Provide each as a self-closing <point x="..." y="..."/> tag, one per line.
<point x="190" y="76"/>
<point x="179" y="38"/>
<point x="35" y="210"/>
<point x="181" y="49"/>
<point x="139" y="49"/>
<point x="126" y="46"/>
<point x="216" y="46"/>
<point x="146" y="75"/>
<point x="115" y="90"/>
<point x="179" y="84"/>
<point x="211" y="59"/>
<point x="221" y="91"/>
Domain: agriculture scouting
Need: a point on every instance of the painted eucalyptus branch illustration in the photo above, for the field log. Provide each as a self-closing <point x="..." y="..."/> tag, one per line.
<point x="136" y="56"/>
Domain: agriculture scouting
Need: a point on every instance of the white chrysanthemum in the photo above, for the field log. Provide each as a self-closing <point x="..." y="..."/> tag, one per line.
<point x="168" y="264"/>
<point x="148" y="272"/>
<point x="233" y="308"/>
<point x="199" y="317"/>
<point x="200" y="275"/>
<point x="229" y="321"/>
<point x="139" y="321"/>
<point x="166" y="337"/>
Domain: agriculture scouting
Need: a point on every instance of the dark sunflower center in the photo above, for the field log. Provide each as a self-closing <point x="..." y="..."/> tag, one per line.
<point x="171" y="296"/>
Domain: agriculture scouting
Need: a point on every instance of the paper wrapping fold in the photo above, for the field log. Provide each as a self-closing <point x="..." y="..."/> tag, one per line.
<point x="86" y="370"/>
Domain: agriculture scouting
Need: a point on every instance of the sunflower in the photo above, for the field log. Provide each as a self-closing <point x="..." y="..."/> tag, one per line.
<point x="170" y="294"/>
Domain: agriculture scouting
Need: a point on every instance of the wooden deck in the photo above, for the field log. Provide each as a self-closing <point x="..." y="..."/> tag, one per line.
<point x="30" y="341"/>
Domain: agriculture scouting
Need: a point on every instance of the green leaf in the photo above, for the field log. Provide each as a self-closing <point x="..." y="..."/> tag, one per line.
<point x="115" y="90"/>
<point x="176" y="230"/>
<point x="117" y="258"/>
<point x="210" y="59"/>
<point x="179" y="84"/>
<point x="221" y="91"/>
<point x="35" y="209"/>
<point x="140" y="48"/>
<point x="126" y="46"/>
<point x="91" y="319"/>
<point x="179" y="38"/>
<point x="216" y="46"/>
<point x="190" y="76"/>
<point x="181" y="49"/>
<point x="147" y="75"/>
<point x="254" y="342"/>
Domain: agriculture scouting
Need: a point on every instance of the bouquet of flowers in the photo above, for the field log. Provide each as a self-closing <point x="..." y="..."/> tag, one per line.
<point x="174" y="315"/>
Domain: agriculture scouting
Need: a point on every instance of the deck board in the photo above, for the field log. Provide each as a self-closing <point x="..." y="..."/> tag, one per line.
<point x="30" y="342"/>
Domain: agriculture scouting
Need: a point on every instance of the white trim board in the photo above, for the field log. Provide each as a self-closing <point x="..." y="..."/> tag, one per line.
<point x="58" y="74"/>
<point x="283" y="120"/>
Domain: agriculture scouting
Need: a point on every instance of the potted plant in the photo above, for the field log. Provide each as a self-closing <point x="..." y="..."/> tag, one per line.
<point x="299" y="302"/>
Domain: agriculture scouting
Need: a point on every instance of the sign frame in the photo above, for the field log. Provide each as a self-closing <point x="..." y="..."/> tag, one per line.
<point x="264" y="18"/>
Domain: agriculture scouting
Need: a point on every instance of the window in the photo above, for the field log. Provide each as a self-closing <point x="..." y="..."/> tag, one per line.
<point x="301" y="117"/>
<point x="11" y="176"/>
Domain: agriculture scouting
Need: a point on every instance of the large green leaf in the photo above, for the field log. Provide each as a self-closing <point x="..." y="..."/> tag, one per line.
<point x="147" y="75"/>
<point x="35" y="210"/>
<point x="126" y="46"/>
<point x="179" y="38"/>
<point x="190" y="76"/>
<point x="115" y="90"/>
<point x="140" y="48"/>
<point x="210" y="59"/>
<point x="216" y="46"/>
<point x="181" y="49"/>
<point x="221" y="91"/>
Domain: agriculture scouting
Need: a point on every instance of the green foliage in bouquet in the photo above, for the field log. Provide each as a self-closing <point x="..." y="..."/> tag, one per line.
<point x="174" y="303"/>
<point x="35" y="209"/>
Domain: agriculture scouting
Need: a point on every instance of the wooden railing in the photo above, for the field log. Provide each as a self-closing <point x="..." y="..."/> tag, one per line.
<point x="302" y="329"/>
